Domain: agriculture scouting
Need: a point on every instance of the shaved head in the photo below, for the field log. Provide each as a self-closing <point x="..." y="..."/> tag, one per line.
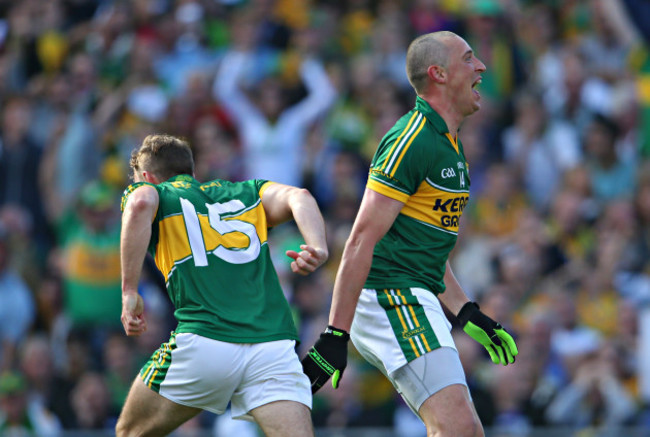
<point x="424" y="51"/>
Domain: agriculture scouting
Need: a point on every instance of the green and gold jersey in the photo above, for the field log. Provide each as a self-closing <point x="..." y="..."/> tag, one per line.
<point x="210" y="243"/>
<point x="420" y="164"/>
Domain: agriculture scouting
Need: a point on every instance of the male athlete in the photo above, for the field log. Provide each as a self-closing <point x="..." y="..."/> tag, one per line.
<point x="395" y="268"/>
<point x="235" y="337"/>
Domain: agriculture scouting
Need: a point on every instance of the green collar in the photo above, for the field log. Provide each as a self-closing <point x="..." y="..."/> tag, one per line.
<point x="432" y="116"/>
<point x="182" y="177"/>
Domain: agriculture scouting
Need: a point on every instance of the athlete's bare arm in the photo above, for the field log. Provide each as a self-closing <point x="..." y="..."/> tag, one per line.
<point x="376" y="215"/>
<point x="139" y="212"/>
<point x="454" y="297"/>
<point x="284" y="202"/>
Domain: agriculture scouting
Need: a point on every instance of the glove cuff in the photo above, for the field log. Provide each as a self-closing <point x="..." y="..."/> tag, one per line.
<point x="466" y="312"/>
<point x="337" y="333"/>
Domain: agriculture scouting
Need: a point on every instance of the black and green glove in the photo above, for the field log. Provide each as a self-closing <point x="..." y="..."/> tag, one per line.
<point x="499" y="344"/>
<point x="327" y="358"/>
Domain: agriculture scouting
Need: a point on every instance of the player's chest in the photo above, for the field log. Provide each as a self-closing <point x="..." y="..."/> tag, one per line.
<point x="449" y="170"/>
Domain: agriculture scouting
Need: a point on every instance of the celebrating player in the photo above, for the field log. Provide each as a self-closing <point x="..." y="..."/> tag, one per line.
<point x="395" y="268"/>
<point x="235" y="337"/>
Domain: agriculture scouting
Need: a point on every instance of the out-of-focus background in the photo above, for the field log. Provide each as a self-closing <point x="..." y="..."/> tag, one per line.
<point x="555" y="242"/>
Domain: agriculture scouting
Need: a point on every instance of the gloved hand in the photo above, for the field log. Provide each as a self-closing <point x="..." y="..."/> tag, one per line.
<point x="327" y="358"/>
<point x="499" y="344"/>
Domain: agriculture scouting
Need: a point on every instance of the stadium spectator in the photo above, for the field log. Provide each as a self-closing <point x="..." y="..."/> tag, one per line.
<point x="17" y="309"/>
<point x="88" y="234"/>
<point x="488" y="30"/>
<point x="540" y="148"/>
<point x="612" y="176"/>
<point x="17" y="415"/>
<point x="20" y="158"/>
<point x="118" y="365"/>
<point x="91" y="402"/>
<point x="596" y="395"/>
<point x="272" y="129"/>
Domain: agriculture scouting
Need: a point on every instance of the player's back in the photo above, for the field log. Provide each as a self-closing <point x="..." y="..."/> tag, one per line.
<point x="210" y="242"/>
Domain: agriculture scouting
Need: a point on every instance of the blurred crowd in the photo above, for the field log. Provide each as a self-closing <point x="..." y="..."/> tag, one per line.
<point x="555" y="242"/>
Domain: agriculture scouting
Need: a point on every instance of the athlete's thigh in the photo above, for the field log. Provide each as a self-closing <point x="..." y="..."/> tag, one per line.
<point x="427" y="375"/>
<point x="284" y="419"/>
<point x="145" y="413"/>
<point x="434" y="387"/>
<point x="450" y="410"/>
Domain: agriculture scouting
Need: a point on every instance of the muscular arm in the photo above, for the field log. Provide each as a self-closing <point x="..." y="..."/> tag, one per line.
<point x="454" y="297"/>
<point x="284" y="202"/>
<point x="376" y="215"/>
<point x="138" y="214"/>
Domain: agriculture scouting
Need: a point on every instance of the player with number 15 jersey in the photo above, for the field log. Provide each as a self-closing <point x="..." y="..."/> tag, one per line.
<point x="210" y="243"/>
<point x="234" y="344"/>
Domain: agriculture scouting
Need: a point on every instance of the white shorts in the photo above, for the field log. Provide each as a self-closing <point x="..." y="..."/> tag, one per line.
<point x="393" y="327"/>
<point x="406" y="335"/>
<point x="204" y="373"/>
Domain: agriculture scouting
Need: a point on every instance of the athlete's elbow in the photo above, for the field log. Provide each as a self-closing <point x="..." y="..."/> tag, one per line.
<point x="302" y="194"/>
<point x="301" y="197"/>
<point x="357" y="247"/>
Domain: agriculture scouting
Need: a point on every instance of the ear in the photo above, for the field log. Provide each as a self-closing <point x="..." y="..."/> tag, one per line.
<point x="437" y="73"/>
<point x="150" y="177"/>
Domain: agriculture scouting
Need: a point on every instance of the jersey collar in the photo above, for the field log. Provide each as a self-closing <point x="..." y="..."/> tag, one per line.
<point x="431" y="115"/>
<point x="182" y="177"/>
<point x="436" y="120"/>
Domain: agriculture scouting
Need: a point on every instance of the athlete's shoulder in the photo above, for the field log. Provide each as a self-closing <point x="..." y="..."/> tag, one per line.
<point x="405" y="121"/>
<point x="413" y="128"/>
<point x="246" y="189"/>
<point x="225" y="184"/>
<point x="131" y="188"/>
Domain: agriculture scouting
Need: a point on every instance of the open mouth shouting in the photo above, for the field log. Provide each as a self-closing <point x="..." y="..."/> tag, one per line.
<point x="475" y="85"/>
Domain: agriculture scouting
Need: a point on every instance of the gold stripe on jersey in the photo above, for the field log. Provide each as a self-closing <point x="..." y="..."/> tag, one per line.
<point x="174" y="246"/>
<point x="434" y="206"/>
<point x="402" y="143"/>
<point x="386" y="190"/>
<point x="453" y="142"/>
<point x="399" y="159"/>
<point x="399" y="138"/>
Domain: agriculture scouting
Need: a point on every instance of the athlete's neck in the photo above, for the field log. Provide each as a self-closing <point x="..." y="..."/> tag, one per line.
<point x="445" y="109"/>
